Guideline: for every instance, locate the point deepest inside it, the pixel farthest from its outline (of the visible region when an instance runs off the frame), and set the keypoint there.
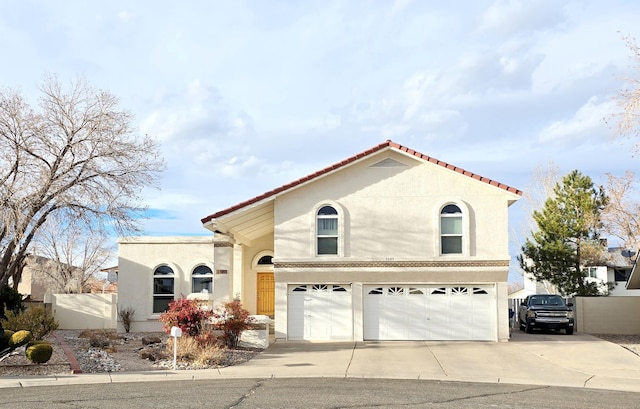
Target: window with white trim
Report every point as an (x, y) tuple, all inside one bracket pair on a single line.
[(202, 280), (451, 230), (163, 288), (327, 231)]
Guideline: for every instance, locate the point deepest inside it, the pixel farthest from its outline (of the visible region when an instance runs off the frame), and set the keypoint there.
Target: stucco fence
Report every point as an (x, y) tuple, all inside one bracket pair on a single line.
[(83, 311), (608, 315), (100, 311), (601, 315)]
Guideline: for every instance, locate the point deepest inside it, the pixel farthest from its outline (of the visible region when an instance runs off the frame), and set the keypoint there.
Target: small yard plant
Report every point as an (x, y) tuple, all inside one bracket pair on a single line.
[(186, 314), (39, 353), (126, 316), (232, 318), (99, 338), (192, 351)]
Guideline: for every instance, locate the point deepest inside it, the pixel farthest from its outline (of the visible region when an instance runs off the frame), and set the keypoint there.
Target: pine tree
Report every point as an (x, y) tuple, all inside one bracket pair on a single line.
[(567, 238)]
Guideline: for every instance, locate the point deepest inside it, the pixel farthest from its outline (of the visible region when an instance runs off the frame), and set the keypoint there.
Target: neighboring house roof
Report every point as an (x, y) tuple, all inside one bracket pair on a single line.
[(616, 259), (268, 196)]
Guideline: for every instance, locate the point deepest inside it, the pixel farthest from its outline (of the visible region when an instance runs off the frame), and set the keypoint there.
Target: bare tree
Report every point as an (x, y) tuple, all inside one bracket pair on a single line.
[(621, 216), (628, 100), (544, 180), (74, 155), (544, 183), (77, 251)]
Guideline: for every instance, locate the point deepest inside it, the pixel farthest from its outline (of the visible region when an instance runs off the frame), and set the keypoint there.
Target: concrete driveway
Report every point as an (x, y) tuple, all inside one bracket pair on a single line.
[(579, 360), (542, 359)]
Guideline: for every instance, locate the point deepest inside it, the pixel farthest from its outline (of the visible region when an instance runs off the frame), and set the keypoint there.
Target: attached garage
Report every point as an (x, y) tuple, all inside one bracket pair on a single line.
[(419, 312), (320, 312)]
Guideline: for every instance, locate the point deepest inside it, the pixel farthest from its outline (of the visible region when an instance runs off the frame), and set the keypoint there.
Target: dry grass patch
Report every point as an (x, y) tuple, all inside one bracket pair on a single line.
[(100, 338), (191, 351)]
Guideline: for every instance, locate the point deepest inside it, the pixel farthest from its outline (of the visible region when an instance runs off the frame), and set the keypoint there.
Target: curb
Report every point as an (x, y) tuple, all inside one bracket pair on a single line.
[(73, 362)]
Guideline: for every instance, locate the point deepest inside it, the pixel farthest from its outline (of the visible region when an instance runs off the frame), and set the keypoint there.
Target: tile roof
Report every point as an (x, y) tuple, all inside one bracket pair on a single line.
[(386, 144)]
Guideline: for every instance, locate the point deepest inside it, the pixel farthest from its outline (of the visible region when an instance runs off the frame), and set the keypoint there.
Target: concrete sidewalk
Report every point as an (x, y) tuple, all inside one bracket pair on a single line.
[(580, 361)]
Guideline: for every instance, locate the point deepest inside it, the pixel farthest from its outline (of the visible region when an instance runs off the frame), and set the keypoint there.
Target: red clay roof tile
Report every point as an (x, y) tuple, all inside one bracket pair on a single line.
[(386, 144)]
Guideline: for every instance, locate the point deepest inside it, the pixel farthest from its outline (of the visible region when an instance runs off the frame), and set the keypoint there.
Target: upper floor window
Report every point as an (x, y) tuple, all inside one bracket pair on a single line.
[(202, 280), (327, 230), (163, 288), (451, 230)]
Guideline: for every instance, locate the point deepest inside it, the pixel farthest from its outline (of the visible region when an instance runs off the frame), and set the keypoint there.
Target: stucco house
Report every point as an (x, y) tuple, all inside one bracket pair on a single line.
[(615, 270), (389, 244)]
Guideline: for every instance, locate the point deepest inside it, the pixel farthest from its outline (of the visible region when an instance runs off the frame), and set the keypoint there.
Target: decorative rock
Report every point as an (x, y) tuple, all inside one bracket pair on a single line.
[(151, 340), (148, 354), (98, 360)]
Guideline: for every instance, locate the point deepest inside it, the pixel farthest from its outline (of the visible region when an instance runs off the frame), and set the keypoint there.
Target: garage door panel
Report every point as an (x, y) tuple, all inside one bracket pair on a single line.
[(405, 312), (320, 312)]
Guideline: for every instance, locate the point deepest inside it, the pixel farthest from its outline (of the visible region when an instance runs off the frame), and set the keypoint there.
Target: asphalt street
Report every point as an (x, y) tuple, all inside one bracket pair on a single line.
[(312, 393)]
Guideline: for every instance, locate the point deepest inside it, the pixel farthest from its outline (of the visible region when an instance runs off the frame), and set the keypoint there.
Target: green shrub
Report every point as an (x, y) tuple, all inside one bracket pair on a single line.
[(34, 320), (36, 342), (39, 353), (19, 338), (10, 300), (4, 340)]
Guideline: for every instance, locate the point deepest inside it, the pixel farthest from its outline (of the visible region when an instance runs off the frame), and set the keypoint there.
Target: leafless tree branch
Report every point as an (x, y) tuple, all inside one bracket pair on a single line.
[(76, 154)]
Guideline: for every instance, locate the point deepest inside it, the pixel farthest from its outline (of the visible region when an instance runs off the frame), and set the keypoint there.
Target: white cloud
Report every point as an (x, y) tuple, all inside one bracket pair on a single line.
[(125, 16), (585, 124), (237, 167), (510, 17)]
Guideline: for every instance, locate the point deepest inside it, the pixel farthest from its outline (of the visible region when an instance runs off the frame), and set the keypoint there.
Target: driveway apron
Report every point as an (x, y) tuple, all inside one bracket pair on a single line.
[(540, 359)]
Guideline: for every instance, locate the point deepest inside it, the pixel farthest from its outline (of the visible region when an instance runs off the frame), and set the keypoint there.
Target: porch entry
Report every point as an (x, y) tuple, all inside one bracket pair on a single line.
[(266, 294)]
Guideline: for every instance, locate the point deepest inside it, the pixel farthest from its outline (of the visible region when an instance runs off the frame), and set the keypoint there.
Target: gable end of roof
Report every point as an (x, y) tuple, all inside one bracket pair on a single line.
[(354, 158)]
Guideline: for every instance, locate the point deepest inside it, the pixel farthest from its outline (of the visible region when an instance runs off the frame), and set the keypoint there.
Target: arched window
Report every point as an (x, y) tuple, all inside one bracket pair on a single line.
[(327, 231), (265, 260), (163, 288), (451, 230), (202, 280)]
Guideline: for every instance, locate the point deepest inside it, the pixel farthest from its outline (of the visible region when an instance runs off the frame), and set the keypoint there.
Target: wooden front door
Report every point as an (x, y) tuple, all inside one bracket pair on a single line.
[(266, 294)]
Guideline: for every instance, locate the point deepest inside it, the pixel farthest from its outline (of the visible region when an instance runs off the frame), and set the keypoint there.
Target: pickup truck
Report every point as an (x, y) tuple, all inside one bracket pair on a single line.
[(546, 311)]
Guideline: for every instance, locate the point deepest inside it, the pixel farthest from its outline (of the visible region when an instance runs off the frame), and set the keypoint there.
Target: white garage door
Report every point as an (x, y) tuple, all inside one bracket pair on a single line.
[(414, 312), (319, 312)]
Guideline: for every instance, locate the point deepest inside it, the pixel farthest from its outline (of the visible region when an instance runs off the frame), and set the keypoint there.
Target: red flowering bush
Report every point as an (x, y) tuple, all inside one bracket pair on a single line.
[(232, 320), (185, 314)]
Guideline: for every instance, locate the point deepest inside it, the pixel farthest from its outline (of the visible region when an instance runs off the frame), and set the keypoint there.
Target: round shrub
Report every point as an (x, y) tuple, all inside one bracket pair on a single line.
[(39, 353), (4, 340), (19, 338), (36, 342)]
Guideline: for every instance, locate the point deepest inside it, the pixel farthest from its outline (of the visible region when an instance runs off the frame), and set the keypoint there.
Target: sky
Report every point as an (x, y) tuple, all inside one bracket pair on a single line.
[(246, 96)]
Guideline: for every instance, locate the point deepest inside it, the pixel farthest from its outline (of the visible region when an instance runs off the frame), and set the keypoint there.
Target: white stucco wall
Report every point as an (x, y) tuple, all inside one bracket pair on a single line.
[(393, 212), (139, 256)]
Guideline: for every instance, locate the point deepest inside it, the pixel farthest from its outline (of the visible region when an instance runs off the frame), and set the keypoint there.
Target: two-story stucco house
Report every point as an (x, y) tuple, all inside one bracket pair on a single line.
[(389, 244)]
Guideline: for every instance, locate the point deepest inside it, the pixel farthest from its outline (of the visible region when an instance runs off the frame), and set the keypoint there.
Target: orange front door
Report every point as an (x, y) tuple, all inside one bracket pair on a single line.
[(266, 294)]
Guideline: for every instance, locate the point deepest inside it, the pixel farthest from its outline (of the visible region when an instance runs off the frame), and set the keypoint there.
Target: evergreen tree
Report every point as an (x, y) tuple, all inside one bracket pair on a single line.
[(567, 238)]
